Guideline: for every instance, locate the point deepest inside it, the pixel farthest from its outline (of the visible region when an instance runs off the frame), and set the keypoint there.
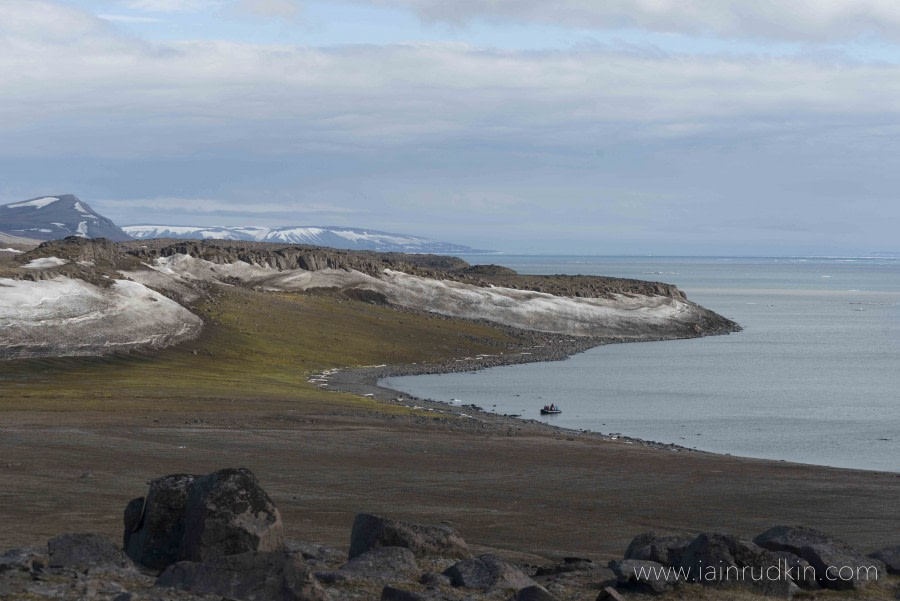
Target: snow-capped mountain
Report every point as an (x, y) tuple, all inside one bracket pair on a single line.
[(333, 236), (52, 217)]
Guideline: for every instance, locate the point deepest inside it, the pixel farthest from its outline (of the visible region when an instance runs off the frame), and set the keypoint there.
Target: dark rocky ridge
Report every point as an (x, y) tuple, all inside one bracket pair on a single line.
[(313, 258)]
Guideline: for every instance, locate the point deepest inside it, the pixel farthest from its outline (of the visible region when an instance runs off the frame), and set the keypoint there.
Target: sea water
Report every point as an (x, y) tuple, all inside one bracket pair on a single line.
[(813, 378)]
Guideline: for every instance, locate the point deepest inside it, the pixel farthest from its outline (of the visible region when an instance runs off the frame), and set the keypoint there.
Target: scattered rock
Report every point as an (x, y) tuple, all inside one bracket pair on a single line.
[(799, 570), (390, 593), (313, 553), (890, 557), (85, 550), (642, 576), (384, 562), (837, 564), (664, 549), (533, 593), (610, 594), (568, 564), (726, 561), (273, 576), (435, 580), (488, 572), (195, 518), (22, 560), (371, 531)]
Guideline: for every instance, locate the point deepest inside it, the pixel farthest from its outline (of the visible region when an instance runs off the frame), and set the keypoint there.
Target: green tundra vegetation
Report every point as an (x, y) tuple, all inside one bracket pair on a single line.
[(256, 346)]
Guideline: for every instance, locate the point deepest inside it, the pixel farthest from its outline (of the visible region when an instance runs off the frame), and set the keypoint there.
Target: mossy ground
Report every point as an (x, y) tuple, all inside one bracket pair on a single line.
[(257, 347)]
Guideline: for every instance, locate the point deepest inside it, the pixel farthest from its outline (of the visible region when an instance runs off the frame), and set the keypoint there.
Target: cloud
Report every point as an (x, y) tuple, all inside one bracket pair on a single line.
[(128, 19), (780, 19), (171, 6)]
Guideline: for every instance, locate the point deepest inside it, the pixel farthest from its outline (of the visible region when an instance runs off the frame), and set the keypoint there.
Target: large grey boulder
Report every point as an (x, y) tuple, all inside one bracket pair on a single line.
[(642, 576), (187, 517), (890, 557), (664, 549), (726, 561), (384, 562), (252, 576), (85, 550), (837, 565), (371, 531), (488, 572)]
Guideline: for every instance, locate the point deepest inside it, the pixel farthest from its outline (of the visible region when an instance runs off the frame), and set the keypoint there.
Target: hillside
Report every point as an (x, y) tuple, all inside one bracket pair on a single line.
[(84, 297), (54, 217)]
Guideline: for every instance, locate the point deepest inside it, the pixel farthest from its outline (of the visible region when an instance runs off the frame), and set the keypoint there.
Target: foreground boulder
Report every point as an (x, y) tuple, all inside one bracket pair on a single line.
[(642, 576), (488, 572), (274, 576), (195, 518), (371, 531), (85, 550), (837, 565), (726, 561), (890, 557), (664, 549)]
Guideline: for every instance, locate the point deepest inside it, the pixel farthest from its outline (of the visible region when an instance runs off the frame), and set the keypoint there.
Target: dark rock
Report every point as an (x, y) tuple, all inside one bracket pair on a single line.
[(228, 513), (85, 550), (272, 576), (890, 557), (384, 562), (642, 576), (390, 593), (370, 532), (799, 570), (435, 580), (334, 576), (316, 554), (533, 593), (726, 561), (487, 572), (610, 594), (664, 549), (195, 518), (22, 560), (837, 564), (154, 527)]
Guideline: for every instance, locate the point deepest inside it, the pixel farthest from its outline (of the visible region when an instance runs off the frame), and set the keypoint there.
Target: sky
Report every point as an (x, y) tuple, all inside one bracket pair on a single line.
[(680, 127)]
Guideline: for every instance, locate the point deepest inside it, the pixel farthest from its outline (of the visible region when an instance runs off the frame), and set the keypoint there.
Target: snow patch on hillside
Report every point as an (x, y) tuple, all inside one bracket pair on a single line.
[(622, 315), (66, 317), (38, 203), (45, 263)]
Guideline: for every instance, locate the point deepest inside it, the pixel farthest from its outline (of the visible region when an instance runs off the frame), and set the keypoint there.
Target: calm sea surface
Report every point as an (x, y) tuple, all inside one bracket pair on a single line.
[(813, 378)]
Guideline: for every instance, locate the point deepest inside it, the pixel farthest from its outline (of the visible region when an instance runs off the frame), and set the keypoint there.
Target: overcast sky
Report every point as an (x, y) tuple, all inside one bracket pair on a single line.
[(725, 127)]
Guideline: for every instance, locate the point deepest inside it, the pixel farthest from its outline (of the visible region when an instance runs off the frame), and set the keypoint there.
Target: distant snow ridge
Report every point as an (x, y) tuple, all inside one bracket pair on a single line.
[(332, 236)]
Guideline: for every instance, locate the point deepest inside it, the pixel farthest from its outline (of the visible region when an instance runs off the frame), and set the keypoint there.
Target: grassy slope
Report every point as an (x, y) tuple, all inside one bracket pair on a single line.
[(260, 347)]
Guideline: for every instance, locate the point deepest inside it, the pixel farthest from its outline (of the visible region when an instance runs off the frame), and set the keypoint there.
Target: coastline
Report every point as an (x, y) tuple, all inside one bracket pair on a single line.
[(364, 382)]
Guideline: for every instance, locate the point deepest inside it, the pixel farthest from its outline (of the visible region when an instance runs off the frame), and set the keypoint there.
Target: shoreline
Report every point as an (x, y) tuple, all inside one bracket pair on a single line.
[(364, 381)]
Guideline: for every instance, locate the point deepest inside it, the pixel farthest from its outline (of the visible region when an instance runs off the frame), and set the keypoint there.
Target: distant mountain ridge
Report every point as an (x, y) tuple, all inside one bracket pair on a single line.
[(53, 217), (351, 238)]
